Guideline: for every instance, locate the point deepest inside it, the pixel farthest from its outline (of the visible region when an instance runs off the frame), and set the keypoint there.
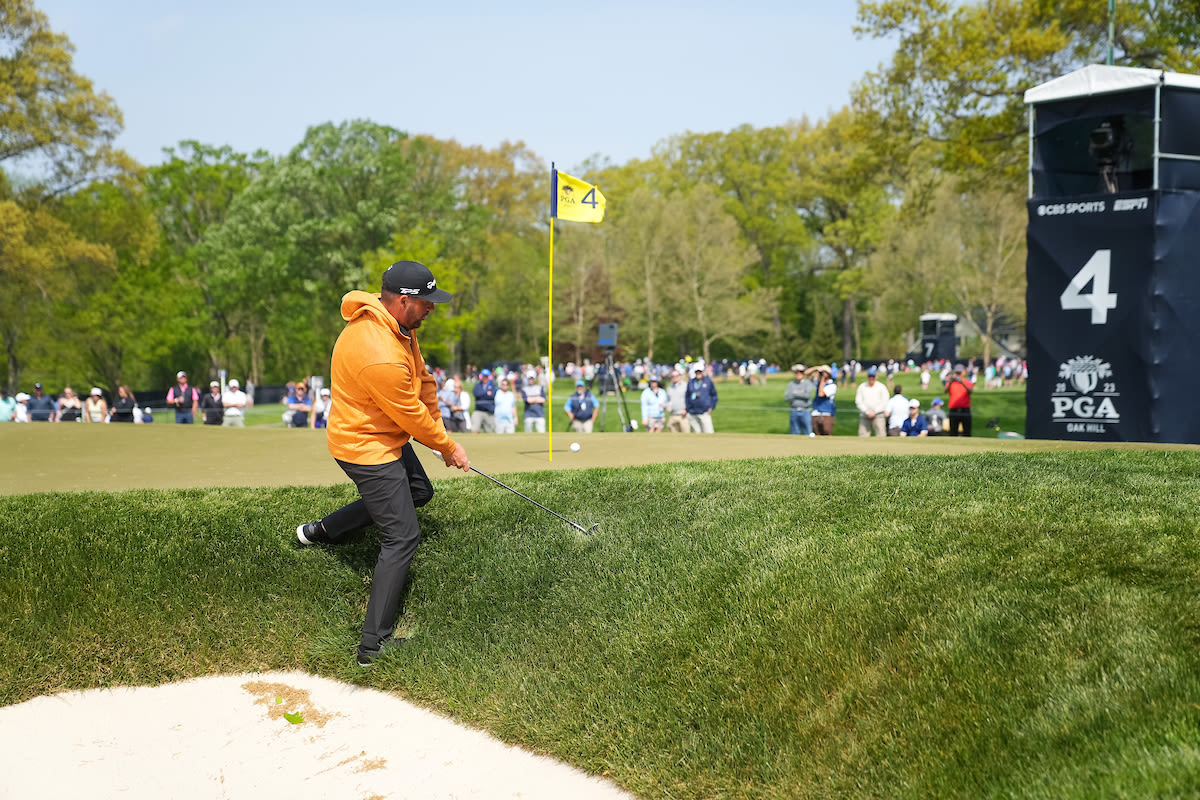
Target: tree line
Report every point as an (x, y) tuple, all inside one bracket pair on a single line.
[(807, 241)]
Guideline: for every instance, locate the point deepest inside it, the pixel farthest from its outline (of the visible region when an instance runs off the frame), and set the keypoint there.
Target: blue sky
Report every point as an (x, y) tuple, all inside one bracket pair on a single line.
[(573, 81)]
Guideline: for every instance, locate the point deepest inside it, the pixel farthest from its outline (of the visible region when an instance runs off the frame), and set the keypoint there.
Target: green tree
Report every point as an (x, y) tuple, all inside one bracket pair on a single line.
[(961, 69), (41, 259), (293, 240), (706, 275), (192, 192), (643, 243), (111, 322), (583, 268), (965, 255), (56, 133), (849, 199), (55, 129), (760, 174), (500, 241)]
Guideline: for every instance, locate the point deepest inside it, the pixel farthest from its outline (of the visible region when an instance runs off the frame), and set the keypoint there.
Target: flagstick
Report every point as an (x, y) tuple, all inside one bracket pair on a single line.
[(550, 373)]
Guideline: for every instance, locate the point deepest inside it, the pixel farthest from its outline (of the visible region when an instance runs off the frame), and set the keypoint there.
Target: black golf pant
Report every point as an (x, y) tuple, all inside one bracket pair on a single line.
[(391, 494), (960, 421)]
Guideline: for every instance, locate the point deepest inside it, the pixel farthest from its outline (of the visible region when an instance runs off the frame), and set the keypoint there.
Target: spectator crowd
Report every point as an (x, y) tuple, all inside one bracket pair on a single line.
[(675, 397)]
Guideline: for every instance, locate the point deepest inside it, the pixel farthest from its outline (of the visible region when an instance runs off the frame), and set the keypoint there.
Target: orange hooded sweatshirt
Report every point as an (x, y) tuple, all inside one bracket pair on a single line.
[(382, 393)]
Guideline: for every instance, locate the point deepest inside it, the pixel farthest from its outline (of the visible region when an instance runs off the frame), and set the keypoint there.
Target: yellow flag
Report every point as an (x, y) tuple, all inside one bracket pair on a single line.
[(574, 200)]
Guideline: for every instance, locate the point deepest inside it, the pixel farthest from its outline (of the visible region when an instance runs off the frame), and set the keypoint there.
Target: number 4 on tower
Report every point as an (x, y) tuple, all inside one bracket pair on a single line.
[(1099, 300)]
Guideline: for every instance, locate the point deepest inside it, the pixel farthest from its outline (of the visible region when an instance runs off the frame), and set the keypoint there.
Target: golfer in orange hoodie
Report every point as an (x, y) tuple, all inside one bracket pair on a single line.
[(383, 398)]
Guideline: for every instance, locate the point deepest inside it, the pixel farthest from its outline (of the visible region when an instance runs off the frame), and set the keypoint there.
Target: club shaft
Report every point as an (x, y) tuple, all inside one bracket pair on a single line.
[(574, 525)]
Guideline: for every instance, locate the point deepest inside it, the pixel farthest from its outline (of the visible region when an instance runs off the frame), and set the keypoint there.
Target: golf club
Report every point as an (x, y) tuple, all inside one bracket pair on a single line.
[(575, 525)]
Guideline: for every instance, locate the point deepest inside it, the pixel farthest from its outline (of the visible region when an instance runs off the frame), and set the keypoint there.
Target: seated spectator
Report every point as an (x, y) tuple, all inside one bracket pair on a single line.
[(287, 400), (70, 407), (96, 407), (320, 416), (449, 404), (915, 424), (300, 407), (936, 418), (125, 407)]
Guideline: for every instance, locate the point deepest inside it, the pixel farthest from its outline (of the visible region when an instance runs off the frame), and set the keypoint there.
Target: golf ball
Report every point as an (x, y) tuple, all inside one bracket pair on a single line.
[(574, 447)]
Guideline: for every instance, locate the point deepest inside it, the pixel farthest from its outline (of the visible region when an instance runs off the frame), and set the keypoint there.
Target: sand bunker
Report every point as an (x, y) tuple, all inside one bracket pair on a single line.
[(279, 734)]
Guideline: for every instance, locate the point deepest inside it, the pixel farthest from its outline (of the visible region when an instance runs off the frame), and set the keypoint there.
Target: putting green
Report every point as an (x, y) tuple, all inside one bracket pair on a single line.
[(79, 457)]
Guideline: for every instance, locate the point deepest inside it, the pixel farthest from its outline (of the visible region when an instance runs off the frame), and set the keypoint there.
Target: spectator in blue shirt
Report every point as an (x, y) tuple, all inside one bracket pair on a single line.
[(701, 399), (654, 406), (582, 407), (483, 418), (915, 425)]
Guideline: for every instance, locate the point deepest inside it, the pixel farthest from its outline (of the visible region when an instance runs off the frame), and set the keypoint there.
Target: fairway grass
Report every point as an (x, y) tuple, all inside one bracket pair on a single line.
[(988, 624)]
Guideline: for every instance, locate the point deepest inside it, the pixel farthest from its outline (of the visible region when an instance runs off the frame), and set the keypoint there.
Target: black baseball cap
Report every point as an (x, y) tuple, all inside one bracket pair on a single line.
[(415, 280)]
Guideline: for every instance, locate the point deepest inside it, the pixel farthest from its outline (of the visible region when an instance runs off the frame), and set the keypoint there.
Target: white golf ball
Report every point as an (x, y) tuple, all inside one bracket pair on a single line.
[(574, 447)]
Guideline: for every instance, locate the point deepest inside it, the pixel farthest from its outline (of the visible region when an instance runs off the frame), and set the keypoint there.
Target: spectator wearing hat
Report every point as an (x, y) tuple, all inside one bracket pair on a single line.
[(483, 418), (321, 406), (677, 403), (823, 408), (959, 391), (300, 406), (450, 405), (21, 411), (96, 407), (211, 405), (124, 408), (654, 406), (40, 405), (534, 395), (914, 424), (799, 397), (871, 399), (582, 407), (184, 399), (234, 401), (701, 400), (8, 406), (70, 407), (936, 417)]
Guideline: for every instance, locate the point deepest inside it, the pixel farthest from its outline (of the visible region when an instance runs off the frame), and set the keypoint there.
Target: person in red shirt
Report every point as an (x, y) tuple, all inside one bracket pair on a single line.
[(959, 414)]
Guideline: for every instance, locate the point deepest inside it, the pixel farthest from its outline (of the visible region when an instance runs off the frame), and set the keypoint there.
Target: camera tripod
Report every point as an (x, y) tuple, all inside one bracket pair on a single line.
[(608, 380)]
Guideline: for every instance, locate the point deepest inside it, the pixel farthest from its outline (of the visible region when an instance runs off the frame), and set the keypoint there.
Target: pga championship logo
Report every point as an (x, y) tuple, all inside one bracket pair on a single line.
[(1085, 398)]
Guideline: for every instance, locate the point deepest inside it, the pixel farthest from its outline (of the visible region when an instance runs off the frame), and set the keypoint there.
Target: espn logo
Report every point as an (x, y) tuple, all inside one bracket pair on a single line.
[(1131, 204)]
